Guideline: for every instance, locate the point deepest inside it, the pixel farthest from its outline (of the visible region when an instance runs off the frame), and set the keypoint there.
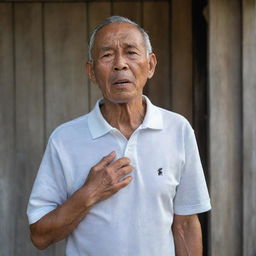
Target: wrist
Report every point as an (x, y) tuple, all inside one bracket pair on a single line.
[(88, 196)]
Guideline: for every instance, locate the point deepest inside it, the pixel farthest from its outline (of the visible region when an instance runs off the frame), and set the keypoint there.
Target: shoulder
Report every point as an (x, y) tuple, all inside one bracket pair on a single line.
[(70, 129), (174, 120)]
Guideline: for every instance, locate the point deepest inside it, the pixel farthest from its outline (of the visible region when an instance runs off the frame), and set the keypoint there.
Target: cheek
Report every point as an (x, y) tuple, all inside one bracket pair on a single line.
[(142, 72), (101, 74)]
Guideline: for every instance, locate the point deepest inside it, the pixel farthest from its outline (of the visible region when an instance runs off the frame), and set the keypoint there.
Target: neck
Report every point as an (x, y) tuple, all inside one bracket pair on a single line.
[(126, 117)]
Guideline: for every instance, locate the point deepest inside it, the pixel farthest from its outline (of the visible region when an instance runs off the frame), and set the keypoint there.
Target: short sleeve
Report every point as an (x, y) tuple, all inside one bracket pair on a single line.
[(192, 195), (49, 189)]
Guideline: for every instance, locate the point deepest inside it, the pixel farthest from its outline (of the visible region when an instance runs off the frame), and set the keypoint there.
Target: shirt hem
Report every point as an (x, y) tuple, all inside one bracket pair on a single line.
[(193, 209), (32, 218)]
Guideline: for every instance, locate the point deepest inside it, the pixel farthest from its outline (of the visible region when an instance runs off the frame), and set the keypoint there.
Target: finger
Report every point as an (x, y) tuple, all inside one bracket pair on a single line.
[(124, 171), (106, 160), (123, 183), (119, 163)]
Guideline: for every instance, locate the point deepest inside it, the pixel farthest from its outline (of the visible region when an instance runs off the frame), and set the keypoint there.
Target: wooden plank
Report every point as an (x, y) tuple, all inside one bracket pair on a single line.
[(29, 114), (65, 51), (182, 58), (225, 127), (66, 82), (200, 114), (156, 22), (7, 133), (94, 18), (249, 127), (129, 9)]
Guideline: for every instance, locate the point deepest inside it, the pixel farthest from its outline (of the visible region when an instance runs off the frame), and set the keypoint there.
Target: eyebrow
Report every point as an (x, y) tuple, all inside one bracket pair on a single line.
[(131, 46), (105, 48), (126, 45)]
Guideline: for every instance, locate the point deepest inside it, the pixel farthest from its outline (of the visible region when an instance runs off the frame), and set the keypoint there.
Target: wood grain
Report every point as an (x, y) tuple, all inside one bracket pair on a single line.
[(249, 127), (7, 132), (225, 127), (200, 108), (65, 79), (182, 58), (156, 23), (94, 19), (65, 51), (129, 9), (29, 113)]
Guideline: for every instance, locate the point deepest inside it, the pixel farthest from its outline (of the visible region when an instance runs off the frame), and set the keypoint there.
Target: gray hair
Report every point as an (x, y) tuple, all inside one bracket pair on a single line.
[(118, 19)]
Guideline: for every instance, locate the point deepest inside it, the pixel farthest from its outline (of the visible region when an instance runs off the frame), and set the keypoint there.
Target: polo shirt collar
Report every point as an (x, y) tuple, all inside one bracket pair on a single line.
[(153, 118), (98, 126)]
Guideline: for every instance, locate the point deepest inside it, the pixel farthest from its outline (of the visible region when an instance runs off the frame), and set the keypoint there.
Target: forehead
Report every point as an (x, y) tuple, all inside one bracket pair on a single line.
[(119, 32)]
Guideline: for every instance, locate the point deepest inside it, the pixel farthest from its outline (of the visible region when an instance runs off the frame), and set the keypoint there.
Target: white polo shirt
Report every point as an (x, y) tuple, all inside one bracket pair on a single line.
[(167, 179)]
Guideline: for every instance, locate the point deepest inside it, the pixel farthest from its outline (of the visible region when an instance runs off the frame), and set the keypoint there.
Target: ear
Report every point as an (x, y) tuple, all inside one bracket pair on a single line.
[(152, 65), (89, 71)]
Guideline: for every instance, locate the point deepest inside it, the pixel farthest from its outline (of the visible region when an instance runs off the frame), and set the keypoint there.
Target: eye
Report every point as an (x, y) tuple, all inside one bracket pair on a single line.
[(132, 52), (106, 55)]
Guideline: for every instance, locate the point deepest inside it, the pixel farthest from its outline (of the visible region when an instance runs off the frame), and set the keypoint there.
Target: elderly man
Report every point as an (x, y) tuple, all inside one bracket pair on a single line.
[(125, 179)]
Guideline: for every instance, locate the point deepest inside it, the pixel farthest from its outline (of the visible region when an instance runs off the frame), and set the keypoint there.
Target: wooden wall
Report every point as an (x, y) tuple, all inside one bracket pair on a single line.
[(43, 48), (249, 127), (232, 131)]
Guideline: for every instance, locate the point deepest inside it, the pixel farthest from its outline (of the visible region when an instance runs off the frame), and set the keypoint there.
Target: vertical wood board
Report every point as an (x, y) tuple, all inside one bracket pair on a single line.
[(200, 111), (249, 127), (65, 53), (66, 84), (156, 23), (225, 127), (129, 9), (7, 132), (182, 58), (29, 113), (94, 19)]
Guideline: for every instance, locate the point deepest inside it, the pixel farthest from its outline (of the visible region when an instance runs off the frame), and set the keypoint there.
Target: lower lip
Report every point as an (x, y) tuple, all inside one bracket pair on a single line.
[(122, 84)]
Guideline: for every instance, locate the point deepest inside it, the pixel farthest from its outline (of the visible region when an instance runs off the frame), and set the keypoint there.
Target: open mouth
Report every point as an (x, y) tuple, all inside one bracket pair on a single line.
[(121, 82)]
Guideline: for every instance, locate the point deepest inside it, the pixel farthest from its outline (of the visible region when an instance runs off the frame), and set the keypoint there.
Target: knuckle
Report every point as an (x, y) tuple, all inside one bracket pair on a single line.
[(108, 171), (94, 169), (127, 170), (126, 160), (104, 159), (109, 175), (115, 188)]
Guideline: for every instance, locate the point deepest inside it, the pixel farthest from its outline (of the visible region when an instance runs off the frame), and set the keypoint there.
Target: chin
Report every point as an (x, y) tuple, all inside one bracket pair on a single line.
[(123, 99), (119, 101)]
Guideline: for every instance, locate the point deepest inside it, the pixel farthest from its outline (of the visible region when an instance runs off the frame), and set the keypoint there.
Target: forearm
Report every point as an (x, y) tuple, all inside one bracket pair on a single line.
[(104, 179), (59, 223), (188, 239)]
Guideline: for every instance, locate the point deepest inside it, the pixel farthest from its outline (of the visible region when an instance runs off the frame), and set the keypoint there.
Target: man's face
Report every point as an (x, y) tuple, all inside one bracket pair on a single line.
[(120, 64)]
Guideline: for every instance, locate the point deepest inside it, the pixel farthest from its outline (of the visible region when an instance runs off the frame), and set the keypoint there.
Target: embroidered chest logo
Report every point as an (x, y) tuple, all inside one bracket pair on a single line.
[(160, 172)]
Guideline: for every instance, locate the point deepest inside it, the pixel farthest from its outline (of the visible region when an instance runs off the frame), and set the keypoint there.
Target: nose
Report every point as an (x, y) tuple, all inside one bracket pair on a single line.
[(120, 63)]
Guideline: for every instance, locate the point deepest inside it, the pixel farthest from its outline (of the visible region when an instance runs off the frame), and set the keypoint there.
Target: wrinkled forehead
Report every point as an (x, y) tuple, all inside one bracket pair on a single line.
[(121, 33)]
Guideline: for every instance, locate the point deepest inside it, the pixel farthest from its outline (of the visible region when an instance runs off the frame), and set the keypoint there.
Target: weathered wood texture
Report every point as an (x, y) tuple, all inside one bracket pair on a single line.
[(225, 127), (249, 127), (65, 52), (66, 86), (129, 9), (94, 18), (7, 132), (29, 111), (200, 111), (156, 20), (43, 47), (181, 57)]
